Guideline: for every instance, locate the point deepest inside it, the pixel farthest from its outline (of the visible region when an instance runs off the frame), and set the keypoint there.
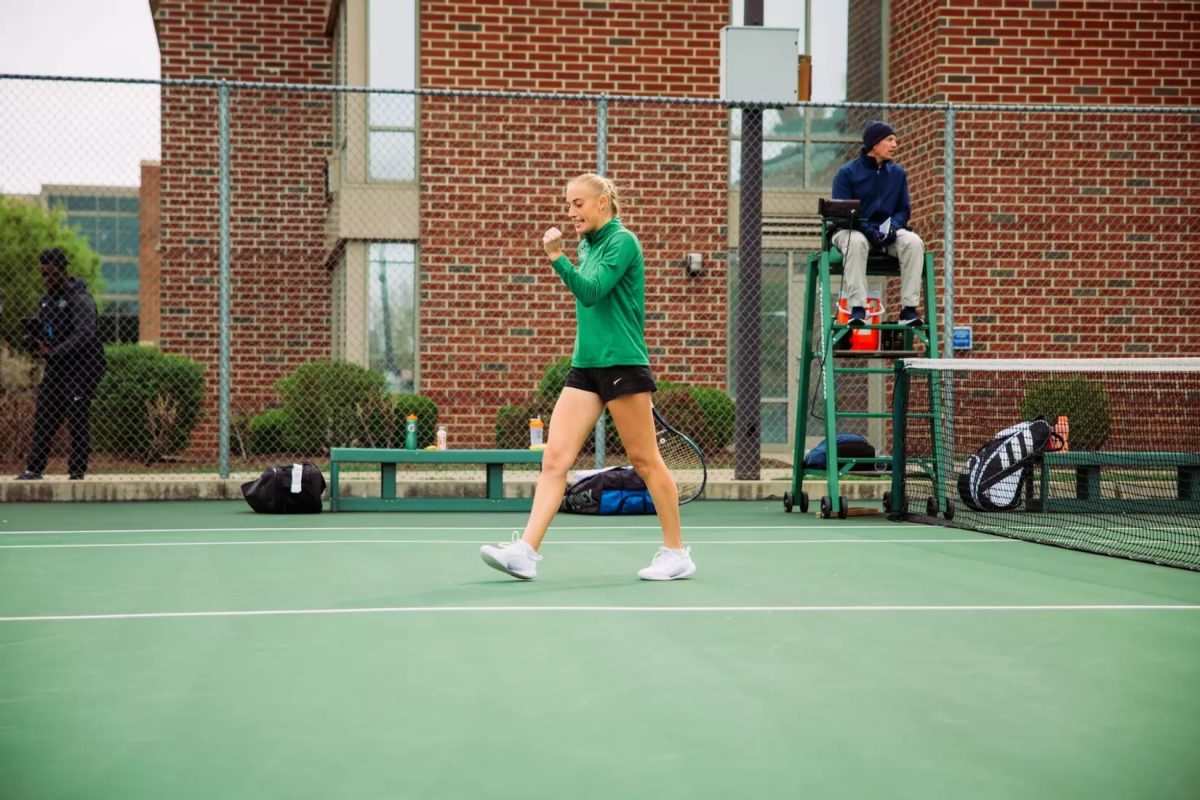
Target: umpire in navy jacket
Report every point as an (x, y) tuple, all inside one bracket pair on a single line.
[(64, 334), (882, 186)]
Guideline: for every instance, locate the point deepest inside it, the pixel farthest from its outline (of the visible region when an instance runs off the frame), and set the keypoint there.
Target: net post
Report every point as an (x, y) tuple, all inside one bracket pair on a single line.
[(899, 429)]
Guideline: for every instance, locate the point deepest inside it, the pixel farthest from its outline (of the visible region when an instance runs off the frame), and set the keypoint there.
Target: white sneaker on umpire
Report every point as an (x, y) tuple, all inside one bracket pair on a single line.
[(669, 565), (516, 558)]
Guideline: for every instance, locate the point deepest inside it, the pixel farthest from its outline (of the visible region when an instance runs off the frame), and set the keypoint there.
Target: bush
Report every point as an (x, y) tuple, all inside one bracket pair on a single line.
[(718, 416), (512, 422), (713, 412), (26, 230), (18, 402), (1082, 400), (554, 379), (147, 403), (678, 406), (427, 420), (331, 403), (266, 432)]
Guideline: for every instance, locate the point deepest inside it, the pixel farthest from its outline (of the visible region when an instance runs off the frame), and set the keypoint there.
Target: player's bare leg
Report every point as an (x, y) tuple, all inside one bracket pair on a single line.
[(635, 422)]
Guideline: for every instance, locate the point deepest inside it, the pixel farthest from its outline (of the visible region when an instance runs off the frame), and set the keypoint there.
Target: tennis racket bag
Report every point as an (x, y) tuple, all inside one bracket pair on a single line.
[(295, 489), (993, 476), (616, 490)]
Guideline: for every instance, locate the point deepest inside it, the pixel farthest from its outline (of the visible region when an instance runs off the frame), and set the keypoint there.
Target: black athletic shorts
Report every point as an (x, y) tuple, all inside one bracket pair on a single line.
[(612, 382)]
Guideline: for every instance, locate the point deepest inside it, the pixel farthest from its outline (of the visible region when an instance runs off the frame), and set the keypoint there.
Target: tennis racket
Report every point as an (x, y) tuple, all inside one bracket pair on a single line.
[(682, 457)]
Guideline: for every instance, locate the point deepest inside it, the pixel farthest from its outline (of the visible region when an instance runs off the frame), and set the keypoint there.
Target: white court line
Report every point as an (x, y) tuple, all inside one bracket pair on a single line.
[(296, 612), (435, 528), (276, 542)]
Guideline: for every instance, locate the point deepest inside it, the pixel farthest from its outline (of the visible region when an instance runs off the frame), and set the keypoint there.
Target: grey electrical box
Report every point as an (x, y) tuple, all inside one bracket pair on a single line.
[(760, 64)]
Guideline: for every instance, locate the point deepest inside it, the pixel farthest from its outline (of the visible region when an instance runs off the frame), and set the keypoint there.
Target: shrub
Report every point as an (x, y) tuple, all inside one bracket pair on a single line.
[(512, 422), (427, 421), (26, 229), (18, 401), (266, 432), (553, 379), (332, 403), (712, 429), (1082, 400), (147, 403), (678, 406), (718, 415)]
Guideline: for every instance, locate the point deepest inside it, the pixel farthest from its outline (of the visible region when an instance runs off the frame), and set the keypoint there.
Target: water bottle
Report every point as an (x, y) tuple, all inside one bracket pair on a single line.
[(410, 432), (441, 437), (536, 428)]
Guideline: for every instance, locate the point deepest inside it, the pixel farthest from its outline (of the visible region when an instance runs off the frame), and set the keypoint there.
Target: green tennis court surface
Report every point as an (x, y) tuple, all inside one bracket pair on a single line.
[(196, 650)]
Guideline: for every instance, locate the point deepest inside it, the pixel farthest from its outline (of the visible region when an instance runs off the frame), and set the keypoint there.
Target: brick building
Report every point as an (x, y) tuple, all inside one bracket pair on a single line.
[(428, 212)]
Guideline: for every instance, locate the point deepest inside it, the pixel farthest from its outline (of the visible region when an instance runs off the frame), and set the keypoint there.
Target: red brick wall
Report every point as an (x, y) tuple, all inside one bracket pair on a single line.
[(280, 286), (1103, 52), (1065, 239), (489, 160)]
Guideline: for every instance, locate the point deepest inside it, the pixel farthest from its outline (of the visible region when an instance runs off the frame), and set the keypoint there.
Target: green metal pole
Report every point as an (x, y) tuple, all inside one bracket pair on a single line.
[(899, 429)]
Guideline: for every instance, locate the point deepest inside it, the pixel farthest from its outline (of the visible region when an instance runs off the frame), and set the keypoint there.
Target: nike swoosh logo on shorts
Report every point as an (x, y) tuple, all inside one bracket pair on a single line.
[(618, 380)]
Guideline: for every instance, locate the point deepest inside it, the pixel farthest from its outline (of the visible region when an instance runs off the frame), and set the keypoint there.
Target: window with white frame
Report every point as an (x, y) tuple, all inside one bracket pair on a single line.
[(392, 64)]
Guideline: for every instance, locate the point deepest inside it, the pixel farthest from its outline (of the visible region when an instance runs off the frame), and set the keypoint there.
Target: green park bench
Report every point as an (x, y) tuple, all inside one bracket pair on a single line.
[(387, 459), (1089, 464)]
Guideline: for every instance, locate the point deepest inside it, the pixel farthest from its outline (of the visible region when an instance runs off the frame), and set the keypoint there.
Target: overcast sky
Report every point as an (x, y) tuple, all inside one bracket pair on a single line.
[(94, 133), (76, 133)]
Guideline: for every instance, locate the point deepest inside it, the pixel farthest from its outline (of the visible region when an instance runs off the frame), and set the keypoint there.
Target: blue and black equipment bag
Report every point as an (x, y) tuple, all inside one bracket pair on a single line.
[(616, 490)]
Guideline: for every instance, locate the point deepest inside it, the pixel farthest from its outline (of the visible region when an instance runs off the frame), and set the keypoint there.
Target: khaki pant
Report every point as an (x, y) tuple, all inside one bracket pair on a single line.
[(908, 247)]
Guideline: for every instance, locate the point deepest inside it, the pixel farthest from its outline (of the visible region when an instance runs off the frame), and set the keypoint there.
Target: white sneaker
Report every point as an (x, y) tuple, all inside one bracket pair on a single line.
[(516, 558), (669, 565)]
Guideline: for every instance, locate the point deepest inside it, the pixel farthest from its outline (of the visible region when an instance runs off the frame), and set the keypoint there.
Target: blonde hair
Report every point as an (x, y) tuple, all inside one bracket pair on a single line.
[(602, 186)]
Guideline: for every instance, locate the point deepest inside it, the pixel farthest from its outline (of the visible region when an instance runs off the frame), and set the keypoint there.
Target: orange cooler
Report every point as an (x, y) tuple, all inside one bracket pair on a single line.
[(862, 339)]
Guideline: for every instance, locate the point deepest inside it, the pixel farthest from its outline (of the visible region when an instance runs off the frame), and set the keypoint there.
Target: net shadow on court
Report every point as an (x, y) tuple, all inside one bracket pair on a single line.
[(198, 650)]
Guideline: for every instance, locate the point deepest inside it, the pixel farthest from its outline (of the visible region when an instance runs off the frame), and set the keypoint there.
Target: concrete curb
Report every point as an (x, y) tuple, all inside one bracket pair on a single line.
[(112, 488)]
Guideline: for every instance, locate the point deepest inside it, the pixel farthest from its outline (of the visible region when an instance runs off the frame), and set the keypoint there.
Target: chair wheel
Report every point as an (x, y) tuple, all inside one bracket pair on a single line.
[(826, 507), (949, 510), (887, 501), (931, 507), (787, 502), (843, 507), (804, 502)]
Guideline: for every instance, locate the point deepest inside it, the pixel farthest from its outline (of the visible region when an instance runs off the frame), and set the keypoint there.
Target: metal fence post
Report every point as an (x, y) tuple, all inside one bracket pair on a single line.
[(601, 168), (948, 236), (224, 322), (747, 325)]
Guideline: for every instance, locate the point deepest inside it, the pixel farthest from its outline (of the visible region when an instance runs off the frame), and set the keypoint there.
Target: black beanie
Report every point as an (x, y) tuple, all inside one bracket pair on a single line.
[(874, 133), (55, 256)]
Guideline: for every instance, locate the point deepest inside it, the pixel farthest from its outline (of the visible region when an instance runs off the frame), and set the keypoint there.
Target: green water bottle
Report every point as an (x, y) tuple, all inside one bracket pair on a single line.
[(410, 432)]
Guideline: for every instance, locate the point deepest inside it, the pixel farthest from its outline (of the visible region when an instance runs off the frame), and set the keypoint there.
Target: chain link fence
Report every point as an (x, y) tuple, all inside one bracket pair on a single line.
[(307, 267)]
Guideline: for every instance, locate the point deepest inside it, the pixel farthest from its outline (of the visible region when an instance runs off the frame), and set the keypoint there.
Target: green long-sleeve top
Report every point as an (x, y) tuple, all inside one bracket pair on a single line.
[(610, 298)]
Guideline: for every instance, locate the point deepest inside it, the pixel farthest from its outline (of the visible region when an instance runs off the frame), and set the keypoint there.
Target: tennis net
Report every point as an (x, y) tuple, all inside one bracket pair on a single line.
[(1113, 469)]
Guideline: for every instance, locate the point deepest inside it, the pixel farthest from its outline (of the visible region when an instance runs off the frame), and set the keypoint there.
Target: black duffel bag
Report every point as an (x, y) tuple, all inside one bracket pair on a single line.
[(295, 489)]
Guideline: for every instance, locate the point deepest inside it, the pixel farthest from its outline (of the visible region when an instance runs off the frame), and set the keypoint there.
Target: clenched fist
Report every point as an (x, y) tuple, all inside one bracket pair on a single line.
[(552, 240)]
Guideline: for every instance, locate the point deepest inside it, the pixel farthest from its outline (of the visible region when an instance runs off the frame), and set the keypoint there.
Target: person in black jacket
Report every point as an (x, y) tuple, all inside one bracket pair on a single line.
[(65, 336)]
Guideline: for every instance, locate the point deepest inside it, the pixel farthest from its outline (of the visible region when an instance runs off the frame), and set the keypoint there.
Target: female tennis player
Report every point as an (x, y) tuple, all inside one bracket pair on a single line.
[(610, 367)]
